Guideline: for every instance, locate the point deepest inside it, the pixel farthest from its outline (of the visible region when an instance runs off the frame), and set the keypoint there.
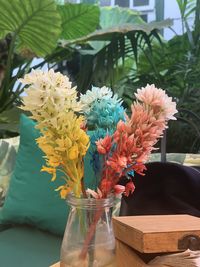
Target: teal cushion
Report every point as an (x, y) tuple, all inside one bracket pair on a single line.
[(28, 247), (31, 197)]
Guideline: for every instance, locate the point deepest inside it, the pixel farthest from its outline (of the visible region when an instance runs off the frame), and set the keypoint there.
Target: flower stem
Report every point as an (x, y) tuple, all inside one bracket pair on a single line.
[(90, 234), (83, 188)]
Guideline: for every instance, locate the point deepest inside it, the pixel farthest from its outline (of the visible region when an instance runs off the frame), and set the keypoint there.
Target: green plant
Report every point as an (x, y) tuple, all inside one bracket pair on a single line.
[(57, 33), (175, 67), (32, 29), (103, 52)]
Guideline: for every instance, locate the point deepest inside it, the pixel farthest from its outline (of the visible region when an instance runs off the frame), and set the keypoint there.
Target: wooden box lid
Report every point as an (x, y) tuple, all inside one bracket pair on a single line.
[(156, 233)]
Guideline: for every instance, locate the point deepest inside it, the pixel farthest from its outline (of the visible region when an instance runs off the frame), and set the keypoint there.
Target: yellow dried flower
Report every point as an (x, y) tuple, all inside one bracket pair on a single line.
[(73, 152), (64, 190), (49, 170), (52, 101)]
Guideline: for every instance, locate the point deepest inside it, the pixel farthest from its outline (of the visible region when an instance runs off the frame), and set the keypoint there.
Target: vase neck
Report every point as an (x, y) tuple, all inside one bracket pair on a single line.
[(90, 203)]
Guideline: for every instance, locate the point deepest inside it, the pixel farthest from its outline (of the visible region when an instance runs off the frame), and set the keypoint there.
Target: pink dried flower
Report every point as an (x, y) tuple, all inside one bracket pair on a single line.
[(127, 150), (129, 188), (106, 186), (121, 127), (117, 162), (119, 189), (104, 145), (158, 100), (94, 194)]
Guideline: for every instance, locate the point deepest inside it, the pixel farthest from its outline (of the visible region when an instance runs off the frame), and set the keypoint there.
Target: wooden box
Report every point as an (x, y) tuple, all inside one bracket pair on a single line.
[(140, 238), (56, 265)]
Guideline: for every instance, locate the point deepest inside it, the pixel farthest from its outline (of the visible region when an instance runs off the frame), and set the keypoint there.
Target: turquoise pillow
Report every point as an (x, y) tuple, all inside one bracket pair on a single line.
[(31, 198)]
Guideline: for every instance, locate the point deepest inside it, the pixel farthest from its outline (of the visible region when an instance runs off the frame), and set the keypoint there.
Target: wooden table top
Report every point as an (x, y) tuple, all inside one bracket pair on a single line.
[(55, 265)]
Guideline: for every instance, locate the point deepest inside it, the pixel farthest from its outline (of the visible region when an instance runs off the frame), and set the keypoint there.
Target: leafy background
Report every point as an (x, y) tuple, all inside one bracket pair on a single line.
[(102, 46)]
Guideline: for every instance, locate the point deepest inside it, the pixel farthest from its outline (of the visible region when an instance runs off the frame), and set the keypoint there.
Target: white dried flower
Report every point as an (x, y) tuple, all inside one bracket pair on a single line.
[(49, 93), (95, 94)]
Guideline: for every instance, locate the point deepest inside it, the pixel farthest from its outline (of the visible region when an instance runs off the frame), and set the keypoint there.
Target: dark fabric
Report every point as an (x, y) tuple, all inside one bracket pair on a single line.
[(167, 188)]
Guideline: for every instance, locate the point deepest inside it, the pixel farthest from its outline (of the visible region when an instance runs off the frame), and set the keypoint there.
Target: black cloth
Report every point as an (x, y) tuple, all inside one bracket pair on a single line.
[(167, 188)]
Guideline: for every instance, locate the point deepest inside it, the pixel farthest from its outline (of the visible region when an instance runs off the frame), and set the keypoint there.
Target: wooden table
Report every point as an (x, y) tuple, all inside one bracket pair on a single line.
[(55, 265), (137, 237)]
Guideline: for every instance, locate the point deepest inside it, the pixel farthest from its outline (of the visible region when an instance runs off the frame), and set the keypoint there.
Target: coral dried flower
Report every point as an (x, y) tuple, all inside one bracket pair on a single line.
[(134, 139), (104, 145)]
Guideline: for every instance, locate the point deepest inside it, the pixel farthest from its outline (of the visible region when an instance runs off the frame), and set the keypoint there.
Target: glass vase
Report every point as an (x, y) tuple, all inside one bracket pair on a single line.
[(89, 240)]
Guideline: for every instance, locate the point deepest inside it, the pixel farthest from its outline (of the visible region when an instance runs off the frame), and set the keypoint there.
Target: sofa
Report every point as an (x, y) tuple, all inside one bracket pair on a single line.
[(32, 215), (25, 246)]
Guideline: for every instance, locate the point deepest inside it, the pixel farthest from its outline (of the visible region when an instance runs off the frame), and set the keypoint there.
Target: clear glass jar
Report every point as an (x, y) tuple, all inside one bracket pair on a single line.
[(89, 240)]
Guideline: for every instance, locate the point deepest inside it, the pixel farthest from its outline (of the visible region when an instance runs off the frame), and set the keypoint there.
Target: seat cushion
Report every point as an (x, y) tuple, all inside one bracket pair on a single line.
[(31, 197), (24, 246)]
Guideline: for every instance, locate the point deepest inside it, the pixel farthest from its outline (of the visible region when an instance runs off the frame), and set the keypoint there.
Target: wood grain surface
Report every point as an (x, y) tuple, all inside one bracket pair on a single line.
[(157, 233)]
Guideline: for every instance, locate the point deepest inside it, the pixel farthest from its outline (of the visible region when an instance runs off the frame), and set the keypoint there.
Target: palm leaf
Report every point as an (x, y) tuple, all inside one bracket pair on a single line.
[(36, 23), (125, 28), (122, 30), (10, 127), (105, 61), (112, 16), (78, 20), (9, 120)]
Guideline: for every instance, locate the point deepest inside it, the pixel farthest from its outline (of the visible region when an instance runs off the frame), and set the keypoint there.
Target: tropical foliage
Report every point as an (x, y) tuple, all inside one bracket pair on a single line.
[(32, 29), (58, 33), (106, 49), (174, 66)]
